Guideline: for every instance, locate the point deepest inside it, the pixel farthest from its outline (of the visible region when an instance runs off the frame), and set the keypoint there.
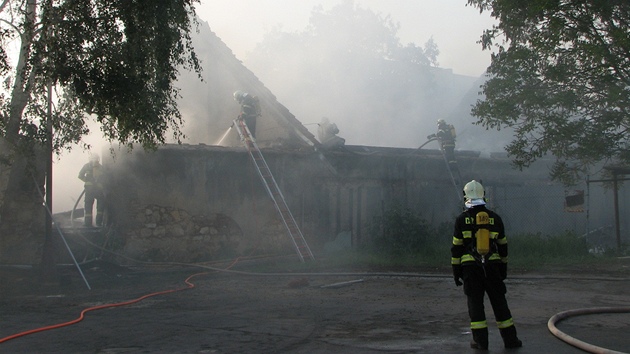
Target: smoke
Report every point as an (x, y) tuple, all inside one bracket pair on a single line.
[(350, 66), (389, 99), (67, 186)]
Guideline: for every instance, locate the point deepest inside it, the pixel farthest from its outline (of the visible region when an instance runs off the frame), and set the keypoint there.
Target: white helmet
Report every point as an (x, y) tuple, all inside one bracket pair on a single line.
[(473, 190), (94, 157), (238, 95)]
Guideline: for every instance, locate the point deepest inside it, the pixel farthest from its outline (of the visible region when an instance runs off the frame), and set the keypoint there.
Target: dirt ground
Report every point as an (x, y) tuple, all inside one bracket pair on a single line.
[(336, 311)]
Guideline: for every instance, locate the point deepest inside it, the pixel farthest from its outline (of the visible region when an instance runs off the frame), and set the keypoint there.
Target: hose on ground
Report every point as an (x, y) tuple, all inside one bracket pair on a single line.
[(189, 285), (551, 324)]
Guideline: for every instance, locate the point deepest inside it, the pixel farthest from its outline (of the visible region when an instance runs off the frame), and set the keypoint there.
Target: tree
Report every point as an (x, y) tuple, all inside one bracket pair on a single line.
[(114, 61), (560, 77)]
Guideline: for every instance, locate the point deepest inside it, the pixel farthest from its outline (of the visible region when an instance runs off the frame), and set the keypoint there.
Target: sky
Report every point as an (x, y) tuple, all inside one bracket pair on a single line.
[(455, 27)]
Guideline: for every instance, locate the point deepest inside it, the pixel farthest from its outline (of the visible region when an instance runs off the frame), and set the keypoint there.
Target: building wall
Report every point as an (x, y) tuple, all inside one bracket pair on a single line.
[(339, 193)]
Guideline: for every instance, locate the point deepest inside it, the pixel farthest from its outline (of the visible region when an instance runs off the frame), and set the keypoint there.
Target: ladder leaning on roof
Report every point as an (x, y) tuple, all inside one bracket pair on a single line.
[(272, 188)]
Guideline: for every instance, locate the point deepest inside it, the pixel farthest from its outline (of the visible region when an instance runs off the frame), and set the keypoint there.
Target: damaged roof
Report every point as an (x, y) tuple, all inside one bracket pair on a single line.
[(208, 106)]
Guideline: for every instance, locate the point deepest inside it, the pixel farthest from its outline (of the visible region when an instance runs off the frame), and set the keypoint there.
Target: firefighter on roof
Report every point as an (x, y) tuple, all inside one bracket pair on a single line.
[(250, 110), (446, 136), (479, 257), (327, 134)]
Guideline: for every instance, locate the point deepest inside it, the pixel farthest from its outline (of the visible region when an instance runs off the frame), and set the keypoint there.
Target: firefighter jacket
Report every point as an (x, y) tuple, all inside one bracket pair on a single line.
[(446, 135), (250, 106), (91, 174), (464, 248)]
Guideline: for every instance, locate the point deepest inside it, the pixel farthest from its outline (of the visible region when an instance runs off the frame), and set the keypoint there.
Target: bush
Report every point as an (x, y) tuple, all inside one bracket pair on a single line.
[(398, 232), (402, 237), (537, 249), (403, 233)]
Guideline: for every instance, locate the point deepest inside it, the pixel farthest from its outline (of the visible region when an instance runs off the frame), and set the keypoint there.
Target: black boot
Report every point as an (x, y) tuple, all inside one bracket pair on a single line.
[(509, 337), (480, 339)]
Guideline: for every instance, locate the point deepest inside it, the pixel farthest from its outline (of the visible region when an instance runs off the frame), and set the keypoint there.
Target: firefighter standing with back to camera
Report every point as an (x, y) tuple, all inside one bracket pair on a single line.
[(479, 257)]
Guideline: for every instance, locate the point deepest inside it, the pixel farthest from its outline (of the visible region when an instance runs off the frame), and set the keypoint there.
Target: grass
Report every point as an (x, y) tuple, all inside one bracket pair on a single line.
[(526, 252), (401, 240)]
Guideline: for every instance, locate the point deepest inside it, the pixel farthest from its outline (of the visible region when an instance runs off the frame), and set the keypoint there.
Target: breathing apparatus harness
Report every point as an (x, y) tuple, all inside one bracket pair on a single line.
[(483, 245)]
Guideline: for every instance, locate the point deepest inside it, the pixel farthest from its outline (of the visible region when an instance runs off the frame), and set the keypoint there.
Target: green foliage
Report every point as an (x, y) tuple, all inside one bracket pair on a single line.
[(403, 233), (537, 250), (527, 252), (114, 60), (401, 238), (560, 77)]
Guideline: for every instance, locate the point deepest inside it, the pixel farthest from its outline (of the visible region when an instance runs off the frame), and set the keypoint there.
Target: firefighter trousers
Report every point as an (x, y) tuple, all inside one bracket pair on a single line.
[(250, 121), (479, 281), (92, 194)]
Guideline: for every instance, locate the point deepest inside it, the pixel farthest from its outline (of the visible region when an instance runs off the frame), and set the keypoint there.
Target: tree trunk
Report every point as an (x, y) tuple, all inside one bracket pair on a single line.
[(22, 164), (22, 215)]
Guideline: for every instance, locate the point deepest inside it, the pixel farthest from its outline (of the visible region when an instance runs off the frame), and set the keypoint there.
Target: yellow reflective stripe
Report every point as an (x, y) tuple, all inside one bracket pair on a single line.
[(455, 261), (457, 241), (494, 235), (493, 257), (505, 324), (478, 325), (467, 258), (504, 259), (467, 234), (502, 241)]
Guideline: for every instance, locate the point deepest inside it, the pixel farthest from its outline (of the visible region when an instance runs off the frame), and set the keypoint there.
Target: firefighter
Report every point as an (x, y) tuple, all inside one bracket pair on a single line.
[(250, 110), (479, 258), (92, 176), (446, 136), (327, 134)]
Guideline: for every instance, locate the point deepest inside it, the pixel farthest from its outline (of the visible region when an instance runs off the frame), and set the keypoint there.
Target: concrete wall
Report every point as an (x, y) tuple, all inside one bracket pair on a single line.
[(340, 193)]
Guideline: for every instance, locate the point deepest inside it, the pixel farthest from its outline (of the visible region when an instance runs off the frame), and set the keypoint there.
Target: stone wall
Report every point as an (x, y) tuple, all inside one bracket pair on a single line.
[(164, 233)]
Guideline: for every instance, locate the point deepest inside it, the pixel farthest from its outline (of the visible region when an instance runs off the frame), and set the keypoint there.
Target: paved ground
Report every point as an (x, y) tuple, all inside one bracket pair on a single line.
[(419, 311)]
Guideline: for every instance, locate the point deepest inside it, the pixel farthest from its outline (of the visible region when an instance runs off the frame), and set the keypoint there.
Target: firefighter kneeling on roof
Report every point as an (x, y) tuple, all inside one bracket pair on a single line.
[(479, 257)]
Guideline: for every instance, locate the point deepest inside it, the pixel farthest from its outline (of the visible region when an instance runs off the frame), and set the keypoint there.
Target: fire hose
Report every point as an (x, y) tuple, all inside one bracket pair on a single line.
[(551, 324), (189, 285)]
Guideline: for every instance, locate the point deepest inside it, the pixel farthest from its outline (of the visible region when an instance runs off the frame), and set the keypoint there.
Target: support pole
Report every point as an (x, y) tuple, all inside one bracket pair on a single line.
[(616, 172), (616, 201)]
